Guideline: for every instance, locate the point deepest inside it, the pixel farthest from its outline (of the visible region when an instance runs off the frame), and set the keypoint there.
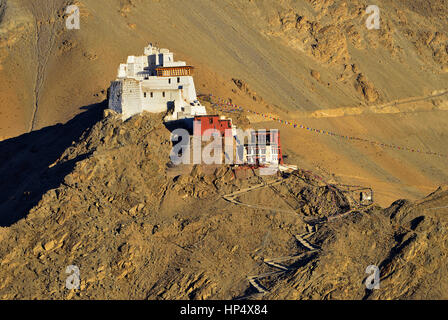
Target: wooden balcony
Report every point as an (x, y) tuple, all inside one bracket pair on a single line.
[(174, 71)]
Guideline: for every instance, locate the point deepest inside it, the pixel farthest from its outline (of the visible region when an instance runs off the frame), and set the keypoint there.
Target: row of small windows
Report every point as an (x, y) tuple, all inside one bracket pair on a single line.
[(151, 94), (178, 80), (163, 93), (153, 73), (261, 150)]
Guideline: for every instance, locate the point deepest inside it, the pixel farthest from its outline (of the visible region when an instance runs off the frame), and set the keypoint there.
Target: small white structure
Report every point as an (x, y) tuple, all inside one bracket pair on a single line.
[(155, 83), (263, 148)]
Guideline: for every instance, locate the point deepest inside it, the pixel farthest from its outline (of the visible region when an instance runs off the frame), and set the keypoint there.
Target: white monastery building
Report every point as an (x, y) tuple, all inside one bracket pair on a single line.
[(155, 83)]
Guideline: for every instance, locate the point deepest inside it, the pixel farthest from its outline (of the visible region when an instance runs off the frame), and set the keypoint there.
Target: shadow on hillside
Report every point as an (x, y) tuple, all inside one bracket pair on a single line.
[(25, 160)]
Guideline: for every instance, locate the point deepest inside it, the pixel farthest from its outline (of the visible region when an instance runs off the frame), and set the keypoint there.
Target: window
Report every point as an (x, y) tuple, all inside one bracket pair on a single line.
[(178, 79), (144, 94), (169, 81), (163, 94), (210, 120), (151, 95)]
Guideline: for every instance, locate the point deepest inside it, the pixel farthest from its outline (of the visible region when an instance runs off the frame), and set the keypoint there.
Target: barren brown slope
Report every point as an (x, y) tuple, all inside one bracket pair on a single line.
[(137, 233), (298, 59), (407, 242), (273, 46), (105, 204)]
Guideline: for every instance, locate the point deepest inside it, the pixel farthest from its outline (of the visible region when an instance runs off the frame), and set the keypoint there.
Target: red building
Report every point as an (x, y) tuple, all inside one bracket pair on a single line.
[(214, 122)]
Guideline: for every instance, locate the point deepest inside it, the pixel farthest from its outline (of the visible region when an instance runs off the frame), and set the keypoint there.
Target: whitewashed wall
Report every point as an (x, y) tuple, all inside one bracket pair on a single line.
[(132, 98)]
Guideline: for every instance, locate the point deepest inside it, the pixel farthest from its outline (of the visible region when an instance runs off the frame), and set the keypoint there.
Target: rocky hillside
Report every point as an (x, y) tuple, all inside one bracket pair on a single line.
[(407, 241), (79, 188), (314, 62), (109, 206)]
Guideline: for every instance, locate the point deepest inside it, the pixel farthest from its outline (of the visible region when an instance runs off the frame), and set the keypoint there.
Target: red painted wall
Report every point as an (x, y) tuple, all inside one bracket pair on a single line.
[(213, 122)]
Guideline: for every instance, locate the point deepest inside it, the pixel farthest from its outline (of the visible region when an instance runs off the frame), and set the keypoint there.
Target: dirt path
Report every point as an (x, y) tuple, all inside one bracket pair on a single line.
[(302, 239), (44, 42), (390, 107)]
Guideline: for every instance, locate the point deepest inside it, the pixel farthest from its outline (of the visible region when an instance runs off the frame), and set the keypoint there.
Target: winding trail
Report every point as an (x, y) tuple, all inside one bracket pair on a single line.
[(302, 239)]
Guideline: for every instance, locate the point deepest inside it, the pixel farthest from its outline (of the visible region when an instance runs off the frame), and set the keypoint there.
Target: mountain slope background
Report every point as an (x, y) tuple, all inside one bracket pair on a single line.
[(81, 187), (310, 61), (271, 45)]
